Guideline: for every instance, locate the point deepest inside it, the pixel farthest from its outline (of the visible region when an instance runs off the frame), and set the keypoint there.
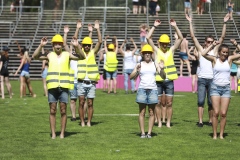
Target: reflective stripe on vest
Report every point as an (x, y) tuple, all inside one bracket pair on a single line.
[(71, 78), (239, 85), (58, 70), (111, 62), (88, 66), (169, 66)]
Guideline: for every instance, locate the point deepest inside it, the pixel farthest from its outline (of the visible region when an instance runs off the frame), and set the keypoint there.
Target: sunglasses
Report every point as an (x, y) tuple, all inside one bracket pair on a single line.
[(147, 53), (209, 41), (85, 45)]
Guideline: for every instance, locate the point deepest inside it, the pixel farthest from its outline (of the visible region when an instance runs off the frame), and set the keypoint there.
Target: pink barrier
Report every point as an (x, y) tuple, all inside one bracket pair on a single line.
[(182, 84)]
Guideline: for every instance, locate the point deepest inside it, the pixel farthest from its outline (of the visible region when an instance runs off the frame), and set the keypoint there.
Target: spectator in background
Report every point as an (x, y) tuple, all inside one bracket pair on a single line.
[(183, 55), (12, 7), (142, 5), (143, 32), (233, 74), (128, 63), (135, 6), (4, 75), (103, 58), (157, 9), (187, 5), (230, 9), (136, 59), (152, 7), (194, 67)]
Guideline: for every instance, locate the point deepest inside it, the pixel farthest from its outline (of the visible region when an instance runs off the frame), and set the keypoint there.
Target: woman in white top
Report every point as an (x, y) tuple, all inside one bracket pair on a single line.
[(128, 63), (220, 91), (147, 94)]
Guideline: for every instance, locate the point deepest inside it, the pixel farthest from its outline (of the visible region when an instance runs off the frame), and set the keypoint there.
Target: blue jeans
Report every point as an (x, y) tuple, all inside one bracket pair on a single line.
[(204, 86), (127, 72), (58, 94)]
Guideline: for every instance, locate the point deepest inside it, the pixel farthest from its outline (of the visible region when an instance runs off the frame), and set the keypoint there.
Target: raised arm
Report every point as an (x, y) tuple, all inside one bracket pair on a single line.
[(149, 35), (36, 53), (116, 43), (19, 47), (21, 65), (105, 44), (160, 69), (66, 30), (135, 71), (209, 57), (196, 43), (121, 48), (135, 46), (101, 54), (79, 25), (179, 34), (90, 29), (97, 46), (189, 53), (234, 56), (78, 50)]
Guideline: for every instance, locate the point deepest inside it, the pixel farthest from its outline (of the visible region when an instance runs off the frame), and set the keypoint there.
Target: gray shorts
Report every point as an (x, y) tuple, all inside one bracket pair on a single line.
[(167, 87), (58, 94), (86, 90)]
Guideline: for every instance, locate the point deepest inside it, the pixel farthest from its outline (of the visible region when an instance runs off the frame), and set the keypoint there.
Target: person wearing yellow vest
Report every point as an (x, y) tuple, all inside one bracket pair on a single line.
[(111, 63), (147, 93), (58, 78), (88, 76), (166, 55)]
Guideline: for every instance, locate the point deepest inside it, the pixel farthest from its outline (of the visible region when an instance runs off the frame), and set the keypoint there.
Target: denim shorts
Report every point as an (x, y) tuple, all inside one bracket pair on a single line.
[(187, 4), (25, 74), (44, 73), (111, 75), (58, 94), (222, 91), (86, 90), (147, 96), (143, 39), (204, 87), (73, 92), (167, 87), (183, 55)]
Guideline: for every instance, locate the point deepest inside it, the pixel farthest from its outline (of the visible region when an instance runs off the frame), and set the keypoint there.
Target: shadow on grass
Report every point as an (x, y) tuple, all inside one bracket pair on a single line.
[(164, 124), (139, 134), (68, 134), (92, 123)]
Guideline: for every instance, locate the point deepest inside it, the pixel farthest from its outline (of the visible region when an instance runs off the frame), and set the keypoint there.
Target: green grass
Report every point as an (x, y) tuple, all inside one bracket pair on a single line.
[(25, 131)]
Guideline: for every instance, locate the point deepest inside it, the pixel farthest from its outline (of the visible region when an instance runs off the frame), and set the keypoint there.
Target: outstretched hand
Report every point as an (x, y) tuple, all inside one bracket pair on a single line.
[(161, 64), (226, 18), (90, 28), (74, 41), (138, 67), (233, 41), (44, 41), (79, 24), (173, 22), (96, 26), (157, 22), (66, 29), (188, 18)]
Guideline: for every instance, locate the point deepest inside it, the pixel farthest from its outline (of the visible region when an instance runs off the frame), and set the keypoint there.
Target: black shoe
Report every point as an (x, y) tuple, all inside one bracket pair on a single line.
[(73, 119), (209, 123), (200, 124)]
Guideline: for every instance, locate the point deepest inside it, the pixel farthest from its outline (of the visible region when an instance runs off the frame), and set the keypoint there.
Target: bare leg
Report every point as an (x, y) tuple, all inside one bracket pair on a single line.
[(2, 86), (235, 84), (30, 87), (85, 109), (224, 108), (115, 85), (63, 110), (169, 110), (73, 107), (216, 109), (151, 118), (142, 111), (45, 87), (52, 118), (163, 107), (200, 114), (158, 113), (193, 82), (9, 87), (181, 67), (81, 110), (188, 67), (108, 85), (90, 111)]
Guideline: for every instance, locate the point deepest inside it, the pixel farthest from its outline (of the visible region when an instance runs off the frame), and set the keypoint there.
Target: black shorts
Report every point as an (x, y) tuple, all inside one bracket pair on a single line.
[(193, 70), (104, 74), (135, 3), (4, 72), (233, 74), (142, 3)]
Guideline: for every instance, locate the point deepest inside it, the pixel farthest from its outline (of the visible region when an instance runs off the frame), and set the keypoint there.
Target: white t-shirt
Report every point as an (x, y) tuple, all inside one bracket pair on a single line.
[(147, 76), (221, 73), (205, 69), (128, 60), (73, 66)]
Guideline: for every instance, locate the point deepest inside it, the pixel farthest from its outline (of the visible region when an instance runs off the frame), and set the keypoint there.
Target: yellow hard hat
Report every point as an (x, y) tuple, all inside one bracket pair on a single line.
[(57, 38), (147, 48), (164, 38), (87, 40), (111, 46)]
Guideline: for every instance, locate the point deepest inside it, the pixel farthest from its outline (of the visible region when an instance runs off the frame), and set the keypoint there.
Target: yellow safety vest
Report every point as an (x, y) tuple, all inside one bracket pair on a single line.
[(58, 70), (71, 78), (88, 66), (238, 85), (111, 62), (169, 66)]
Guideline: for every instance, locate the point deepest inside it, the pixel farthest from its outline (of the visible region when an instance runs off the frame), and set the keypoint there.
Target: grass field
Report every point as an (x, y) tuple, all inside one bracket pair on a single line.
[(114, 135)]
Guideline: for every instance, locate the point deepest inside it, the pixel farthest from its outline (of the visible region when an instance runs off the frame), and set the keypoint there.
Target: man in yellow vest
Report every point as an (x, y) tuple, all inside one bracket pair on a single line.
[(88, 75), (58, 78), (166, 55)]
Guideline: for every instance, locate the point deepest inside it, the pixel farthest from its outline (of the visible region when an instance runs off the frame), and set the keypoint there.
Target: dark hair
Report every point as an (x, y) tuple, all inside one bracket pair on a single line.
[(223, 46), (209, 36), (184, 35), (110, 50), (128, 46)]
